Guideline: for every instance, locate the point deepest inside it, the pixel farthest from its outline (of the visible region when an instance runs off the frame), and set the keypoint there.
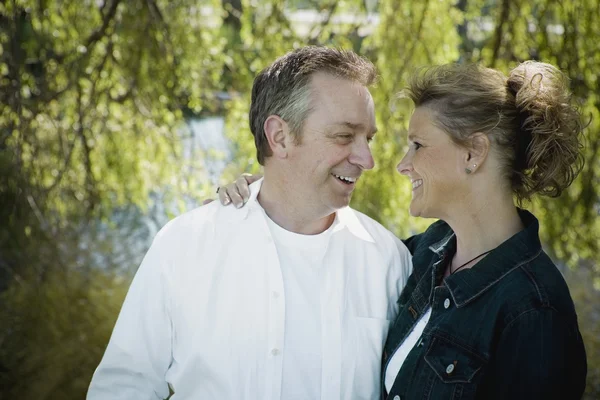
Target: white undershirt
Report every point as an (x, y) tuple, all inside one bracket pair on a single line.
[(301, 260), (400, 355)]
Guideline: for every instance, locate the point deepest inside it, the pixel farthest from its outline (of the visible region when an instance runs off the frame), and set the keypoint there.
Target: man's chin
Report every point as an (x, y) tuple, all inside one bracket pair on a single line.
[(342, 202)]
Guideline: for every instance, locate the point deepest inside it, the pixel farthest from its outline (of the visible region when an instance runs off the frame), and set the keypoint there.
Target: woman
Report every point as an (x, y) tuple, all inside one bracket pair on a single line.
[(485, 313)]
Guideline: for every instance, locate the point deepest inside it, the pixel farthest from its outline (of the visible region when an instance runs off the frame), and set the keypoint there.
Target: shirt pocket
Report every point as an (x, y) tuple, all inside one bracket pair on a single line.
[(370, 334), (456, 370)]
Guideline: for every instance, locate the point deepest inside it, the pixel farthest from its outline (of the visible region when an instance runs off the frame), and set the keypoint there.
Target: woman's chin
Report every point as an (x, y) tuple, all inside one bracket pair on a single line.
[(414, 211)]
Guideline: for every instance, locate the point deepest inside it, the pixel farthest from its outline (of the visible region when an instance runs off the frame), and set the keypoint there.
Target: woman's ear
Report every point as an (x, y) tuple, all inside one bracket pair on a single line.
[(478, 150), (276, 131)]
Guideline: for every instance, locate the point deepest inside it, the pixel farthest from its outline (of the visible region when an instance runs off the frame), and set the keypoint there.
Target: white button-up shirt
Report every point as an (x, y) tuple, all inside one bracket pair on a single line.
[(205, 313)]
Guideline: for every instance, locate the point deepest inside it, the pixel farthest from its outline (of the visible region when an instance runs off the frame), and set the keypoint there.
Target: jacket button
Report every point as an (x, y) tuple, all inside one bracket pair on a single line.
[(449, 369), (446, 303), (396, 397)]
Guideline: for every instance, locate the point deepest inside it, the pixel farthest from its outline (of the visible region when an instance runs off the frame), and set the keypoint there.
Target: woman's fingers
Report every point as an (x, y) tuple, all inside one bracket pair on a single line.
[(251, 178), (243, 188), (237, 192), (234, 194), (230, 194), (223, 196)]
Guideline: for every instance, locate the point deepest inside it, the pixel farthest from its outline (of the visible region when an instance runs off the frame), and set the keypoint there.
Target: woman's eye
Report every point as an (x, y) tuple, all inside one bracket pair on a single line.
[(417, 145)]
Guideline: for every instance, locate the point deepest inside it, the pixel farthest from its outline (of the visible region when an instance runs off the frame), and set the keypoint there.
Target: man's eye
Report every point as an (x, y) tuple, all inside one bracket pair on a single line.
[(417, 145)]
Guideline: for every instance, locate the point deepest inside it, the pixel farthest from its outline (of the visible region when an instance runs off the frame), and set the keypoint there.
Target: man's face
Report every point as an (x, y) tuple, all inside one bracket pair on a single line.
[(334, 144)]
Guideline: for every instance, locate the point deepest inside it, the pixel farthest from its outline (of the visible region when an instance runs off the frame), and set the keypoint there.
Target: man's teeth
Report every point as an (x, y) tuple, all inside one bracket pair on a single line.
[(416, 183), (345, 178)]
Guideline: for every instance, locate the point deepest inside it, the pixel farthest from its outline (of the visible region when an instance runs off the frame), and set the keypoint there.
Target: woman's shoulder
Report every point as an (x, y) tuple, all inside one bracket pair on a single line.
[(548, 284), (537, 287)]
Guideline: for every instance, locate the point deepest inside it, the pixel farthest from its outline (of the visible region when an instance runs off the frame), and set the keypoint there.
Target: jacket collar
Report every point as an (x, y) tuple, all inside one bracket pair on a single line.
[(346, 218), (518, 250)]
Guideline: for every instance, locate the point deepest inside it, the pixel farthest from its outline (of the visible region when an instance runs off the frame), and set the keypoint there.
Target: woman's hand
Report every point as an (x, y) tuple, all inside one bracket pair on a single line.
[(237, 192)]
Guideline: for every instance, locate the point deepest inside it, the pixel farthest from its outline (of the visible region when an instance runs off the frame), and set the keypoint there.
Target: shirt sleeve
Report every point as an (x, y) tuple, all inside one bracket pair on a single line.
[(403, 269), (139, 352), (540, 356)]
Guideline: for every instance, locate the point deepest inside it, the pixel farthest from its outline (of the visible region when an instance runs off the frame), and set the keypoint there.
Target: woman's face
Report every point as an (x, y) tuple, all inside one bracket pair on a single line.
[(436, 168)]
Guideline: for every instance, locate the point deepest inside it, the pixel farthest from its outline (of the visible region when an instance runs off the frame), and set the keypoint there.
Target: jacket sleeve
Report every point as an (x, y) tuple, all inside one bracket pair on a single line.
[(139, 352), (540, 356)]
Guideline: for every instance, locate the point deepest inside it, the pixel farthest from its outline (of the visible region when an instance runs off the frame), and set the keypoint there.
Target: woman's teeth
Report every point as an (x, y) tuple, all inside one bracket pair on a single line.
[(416, 183)]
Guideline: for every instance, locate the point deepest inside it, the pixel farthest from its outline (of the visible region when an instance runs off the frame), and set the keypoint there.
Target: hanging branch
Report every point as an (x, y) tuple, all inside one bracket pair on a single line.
[(500, 31), (89, 173), (314, 34), (413, 43), (97, 34)]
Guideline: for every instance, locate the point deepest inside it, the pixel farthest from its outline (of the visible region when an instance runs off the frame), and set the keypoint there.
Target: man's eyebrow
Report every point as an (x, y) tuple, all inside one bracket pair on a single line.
[(355, 127)]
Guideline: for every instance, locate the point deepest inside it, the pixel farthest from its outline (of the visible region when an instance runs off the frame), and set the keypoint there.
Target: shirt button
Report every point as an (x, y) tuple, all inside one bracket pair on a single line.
[(275, 352), (275, 295), (446, 303), (449, 369), (396, 397)]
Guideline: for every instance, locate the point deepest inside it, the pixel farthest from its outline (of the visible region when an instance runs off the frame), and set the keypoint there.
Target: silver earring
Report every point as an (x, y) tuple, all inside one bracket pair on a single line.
[(469, 170)]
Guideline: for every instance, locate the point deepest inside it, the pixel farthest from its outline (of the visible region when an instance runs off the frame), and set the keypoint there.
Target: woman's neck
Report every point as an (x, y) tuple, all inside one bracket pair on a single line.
[(483, 227)]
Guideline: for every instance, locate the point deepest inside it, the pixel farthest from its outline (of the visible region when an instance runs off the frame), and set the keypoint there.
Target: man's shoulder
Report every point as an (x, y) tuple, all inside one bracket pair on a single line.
[(373, 226), (393, 252), (380, 235), (198, 220)]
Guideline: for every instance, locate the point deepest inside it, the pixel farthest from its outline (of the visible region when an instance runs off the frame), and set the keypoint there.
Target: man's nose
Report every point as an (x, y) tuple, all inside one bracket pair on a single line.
[(361, 155)]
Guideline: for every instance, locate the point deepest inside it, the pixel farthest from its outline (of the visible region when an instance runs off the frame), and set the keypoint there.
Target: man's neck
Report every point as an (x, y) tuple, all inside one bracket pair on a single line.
[(282, 207)]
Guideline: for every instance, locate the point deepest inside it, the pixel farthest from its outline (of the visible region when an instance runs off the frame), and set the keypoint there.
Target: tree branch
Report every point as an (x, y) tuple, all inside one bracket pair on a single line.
[(413, 43), (500, 31), (314, 36), (100, 32), (95, 36), (90, 181), (64, 168)]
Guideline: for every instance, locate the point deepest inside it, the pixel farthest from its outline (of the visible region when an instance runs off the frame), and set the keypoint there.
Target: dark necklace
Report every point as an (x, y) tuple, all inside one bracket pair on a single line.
[(472, 259)]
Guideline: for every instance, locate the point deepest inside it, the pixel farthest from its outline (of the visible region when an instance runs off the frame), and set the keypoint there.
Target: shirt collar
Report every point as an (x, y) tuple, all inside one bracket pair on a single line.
[(346, 217), (349, 219), (520, 249)]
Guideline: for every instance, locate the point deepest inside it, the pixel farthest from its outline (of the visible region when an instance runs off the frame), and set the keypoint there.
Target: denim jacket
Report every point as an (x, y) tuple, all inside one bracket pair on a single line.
[(504, 329)]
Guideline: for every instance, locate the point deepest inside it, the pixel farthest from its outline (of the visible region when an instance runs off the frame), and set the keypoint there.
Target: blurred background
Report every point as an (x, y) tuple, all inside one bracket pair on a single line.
[(117, 115)]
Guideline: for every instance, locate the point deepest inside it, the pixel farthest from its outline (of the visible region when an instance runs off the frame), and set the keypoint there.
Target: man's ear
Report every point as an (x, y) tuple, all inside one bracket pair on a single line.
[(276, 131), (479, 147)]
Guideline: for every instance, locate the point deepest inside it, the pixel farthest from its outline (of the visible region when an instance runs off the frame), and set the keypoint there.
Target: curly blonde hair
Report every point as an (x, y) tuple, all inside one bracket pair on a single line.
[(529, 117)]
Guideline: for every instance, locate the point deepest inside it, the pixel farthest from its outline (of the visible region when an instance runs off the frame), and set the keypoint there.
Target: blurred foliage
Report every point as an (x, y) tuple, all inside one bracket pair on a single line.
[(95, 102), (586, 302)]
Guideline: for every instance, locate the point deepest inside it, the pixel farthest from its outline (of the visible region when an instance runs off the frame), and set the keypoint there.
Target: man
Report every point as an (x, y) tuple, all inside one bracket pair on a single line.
[(289, 297)]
